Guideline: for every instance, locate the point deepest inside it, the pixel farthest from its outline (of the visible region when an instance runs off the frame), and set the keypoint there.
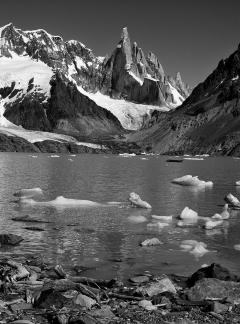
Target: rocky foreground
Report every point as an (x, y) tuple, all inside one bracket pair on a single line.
[(32, 291)]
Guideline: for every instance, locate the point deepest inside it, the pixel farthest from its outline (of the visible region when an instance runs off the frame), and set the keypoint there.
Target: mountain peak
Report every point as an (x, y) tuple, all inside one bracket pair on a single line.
[(124, 35)]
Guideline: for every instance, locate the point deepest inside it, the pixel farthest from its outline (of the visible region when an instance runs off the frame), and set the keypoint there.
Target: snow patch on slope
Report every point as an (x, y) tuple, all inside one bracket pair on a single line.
[(177, 98), (128, 113), (21, 69)]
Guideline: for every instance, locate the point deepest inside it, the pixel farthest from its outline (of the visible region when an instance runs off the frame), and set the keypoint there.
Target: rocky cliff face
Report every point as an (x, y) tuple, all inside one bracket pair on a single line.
[(208, 121), (51, 85)]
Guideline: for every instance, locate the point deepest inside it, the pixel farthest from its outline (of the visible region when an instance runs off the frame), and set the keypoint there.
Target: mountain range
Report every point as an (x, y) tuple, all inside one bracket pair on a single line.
[(56, 95)]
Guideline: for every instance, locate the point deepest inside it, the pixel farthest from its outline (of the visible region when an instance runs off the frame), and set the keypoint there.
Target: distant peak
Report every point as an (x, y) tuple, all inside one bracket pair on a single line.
[(124, 33)]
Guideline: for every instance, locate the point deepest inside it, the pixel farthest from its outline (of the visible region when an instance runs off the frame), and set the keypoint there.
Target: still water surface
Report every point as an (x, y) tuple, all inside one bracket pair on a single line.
[(98, 237)]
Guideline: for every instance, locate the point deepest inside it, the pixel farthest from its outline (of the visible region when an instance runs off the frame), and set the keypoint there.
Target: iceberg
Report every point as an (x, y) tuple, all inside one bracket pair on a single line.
[(238, 183), (224, 214), (136, 201), (188, 213), (137, 219), (151, 242), (189, 180), (232, 201)]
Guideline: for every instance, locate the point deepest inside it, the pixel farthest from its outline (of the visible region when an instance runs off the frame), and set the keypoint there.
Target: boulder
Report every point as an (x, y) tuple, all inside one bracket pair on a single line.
[(157, 287), (212, 271), (147, 304), (85, 301), (215, 288)]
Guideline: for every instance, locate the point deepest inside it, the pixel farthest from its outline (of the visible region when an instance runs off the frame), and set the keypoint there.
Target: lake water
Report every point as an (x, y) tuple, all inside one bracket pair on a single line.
[(97, 237)]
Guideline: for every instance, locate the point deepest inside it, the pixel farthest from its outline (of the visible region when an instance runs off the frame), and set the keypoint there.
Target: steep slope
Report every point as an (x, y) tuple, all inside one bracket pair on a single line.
[(209, 119), (51, 85)]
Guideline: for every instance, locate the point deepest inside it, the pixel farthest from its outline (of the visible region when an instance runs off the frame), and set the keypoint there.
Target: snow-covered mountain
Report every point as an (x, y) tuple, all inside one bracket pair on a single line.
[(51, 85)]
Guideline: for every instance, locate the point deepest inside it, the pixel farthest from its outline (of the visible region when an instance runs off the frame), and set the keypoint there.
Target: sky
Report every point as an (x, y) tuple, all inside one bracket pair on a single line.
[(190, 36)]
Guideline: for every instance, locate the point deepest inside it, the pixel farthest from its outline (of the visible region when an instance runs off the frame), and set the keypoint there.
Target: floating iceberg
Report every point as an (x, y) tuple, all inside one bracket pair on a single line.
[(189, 180), (136, 201), (238, 183), (237, 247), (224, 214), (194, 158), (232, 201), (188, 213), (28, 193)]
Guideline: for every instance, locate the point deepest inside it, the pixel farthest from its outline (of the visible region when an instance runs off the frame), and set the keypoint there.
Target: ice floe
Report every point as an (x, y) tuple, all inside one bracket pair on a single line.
[(158, 225), (189, 180), (127, 154), (136, 201)]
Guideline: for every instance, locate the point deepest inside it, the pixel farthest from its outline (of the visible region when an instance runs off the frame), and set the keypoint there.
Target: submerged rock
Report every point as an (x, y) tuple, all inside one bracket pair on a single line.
[(10, 239), (136, 201)]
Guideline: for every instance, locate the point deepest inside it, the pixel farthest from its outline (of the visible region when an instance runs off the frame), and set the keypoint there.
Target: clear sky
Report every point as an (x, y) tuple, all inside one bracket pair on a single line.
[(189, 36)]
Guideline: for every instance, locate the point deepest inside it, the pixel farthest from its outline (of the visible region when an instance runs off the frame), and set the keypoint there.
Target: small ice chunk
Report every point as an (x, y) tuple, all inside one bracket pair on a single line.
[(196, 248), (188, 213), (136, 201), (159, 225), (238, 183)]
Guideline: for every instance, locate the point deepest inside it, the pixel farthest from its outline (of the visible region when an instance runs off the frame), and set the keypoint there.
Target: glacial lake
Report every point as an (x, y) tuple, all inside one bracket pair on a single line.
[(99, 238)]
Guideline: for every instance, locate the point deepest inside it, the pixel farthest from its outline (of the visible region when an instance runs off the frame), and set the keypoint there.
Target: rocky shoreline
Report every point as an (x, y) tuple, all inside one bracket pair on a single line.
[(33, 291)]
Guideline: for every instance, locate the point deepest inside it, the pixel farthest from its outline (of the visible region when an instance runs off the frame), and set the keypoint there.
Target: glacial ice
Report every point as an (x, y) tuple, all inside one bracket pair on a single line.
[(136, 201), (189, 180)]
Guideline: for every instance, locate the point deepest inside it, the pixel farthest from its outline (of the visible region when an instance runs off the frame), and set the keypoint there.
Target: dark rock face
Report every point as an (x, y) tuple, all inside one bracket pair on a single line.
[(132, 76)]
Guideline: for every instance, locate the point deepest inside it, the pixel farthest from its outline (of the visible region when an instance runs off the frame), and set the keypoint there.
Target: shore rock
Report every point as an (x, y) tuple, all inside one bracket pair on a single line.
[(215, 288), (157, 287), (85, 301), (213, 271)]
